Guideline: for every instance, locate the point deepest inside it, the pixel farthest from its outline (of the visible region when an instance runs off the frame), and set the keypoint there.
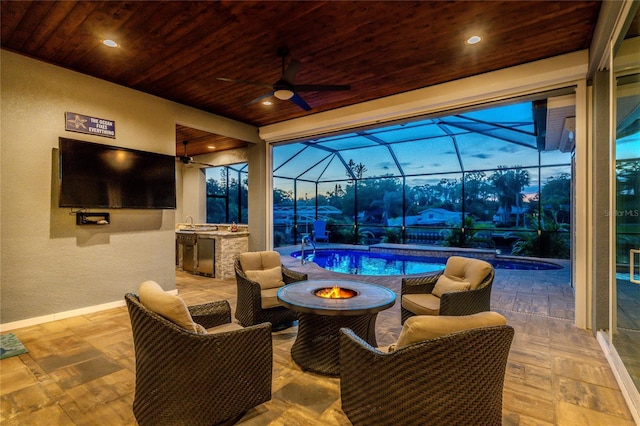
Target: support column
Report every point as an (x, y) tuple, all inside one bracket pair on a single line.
[(600, 202)]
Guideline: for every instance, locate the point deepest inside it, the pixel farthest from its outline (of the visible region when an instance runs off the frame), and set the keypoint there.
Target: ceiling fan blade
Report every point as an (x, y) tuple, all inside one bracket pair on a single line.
[(296, 99), (320, 87), (289, 75), (189, 161), (202, 164), (255, 83), (259, 98)]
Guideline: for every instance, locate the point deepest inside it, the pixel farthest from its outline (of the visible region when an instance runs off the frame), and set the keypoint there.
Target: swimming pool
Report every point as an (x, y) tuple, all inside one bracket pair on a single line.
[(364, 262)]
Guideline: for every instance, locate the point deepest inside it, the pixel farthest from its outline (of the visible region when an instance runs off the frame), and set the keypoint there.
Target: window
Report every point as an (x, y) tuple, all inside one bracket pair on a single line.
[(227, 193)]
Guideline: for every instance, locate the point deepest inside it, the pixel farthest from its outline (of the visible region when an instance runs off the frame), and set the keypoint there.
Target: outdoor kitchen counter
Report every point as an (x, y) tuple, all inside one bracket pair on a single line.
[(226, 246)]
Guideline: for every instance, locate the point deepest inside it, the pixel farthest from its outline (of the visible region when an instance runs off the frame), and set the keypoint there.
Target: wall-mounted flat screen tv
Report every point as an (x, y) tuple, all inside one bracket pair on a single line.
[(97, 175)]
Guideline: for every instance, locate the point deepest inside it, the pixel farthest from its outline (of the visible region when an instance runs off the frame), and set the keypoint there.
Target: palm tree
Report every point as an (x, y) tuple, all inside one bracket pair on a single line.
[(509, 183)]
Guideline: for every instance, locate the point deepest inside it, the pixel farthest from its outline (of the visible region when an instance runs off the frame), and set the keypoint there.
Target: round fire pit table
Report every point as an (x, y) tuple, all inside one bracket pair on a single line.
[(317, 346)]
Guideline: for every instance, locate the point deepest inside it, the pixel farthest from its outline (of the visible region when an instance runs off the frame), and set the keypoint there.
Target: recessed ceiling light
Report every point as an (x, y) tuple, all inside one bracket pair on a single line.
[(110, 43), (474, 39), (211, 147), (267, 103)]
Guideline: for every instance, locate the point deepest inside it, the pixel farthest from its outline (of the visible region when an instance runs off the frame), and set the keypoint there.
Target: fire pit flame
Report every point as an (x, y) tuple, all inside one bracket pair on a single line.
[(335, 292)]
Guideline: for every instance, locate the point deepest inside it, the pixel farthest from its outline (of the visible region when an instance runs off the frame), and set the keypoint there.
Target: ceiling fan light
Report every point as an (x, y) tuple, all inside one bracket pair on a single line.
[(283, 94)]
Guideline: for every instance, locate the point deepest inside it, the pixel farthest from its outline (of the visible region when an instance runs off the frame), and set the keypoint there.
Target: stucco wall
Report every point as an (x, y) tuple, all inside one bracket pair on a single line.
[(48, 264)]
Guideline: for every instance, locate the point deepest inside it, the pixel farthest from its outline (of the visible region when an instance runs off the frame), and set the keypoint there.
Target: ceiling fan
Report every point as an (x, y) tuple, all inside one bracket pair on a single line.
[(285, 88), (185, 159)]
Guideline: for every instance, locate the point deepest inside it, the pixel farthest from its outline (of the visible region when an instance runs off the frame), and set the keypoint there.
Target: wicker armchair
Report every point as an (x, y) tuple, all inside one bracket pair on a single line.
[(456, 379), (417, 296), (183, 377), (250, 309)]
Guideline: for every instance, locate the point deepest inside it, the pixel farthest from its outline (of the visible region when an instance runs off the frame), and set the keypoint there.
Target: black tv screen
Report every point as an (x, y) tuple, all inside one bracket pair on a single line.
[(97, 175)]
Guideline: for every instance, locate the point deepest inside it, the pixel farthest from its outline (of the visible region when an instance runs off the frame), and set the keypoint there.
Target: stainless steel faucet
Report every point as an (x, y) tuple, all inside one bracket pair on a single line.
[(189, 220)]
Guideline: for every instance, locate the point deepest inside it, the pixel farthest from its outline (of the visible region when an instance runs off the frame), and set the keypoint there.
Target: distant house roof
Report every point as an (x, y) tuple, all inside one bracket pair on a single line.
[(440, 211)]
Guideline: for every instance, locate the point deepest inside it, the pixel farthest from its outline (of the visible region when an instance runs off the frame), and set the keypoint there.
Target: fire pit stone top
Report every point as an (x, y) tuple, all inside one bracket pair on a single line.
[(365, 297)]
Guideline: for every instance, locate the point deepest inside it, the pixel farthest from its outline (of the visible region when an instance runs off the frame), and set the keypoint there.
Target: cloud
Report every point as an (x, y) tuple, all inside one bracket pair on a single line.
[(386, 165), (512, 147)]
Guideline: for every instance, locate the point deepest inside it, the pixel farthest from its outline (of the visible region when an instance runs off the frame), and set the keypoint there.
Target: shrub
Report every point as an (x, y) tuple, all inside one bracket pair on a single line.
[(391, 235), (550, 242)]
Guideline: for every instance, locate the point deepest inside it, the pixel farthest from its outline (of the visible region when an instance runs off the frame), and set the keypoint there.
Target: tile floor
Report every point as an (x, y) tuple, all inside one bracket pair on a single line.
[(80, 371)]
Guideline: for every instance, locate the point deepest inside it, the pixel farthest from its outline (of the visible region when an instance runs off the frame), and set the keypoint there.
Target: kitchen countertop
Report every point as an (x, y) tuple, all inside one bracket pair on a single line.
[(208, 232), (222, 233)]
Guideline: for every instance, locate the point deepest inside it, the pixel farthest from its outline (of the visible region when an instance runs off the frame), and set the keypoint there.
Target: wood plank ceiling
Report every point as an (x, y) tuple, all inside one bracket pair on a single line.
[(176, 50)]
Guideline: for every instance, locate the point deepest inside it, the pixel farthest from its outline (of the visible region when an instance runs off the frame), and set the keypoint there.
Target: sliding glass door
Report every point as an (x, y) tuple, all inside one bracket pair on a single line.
[(625, 220)]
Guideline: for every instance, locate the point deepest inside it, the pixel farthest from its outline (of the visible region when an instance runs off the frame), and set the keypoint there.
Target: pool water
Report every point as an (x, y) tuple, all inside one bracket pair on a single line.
[(372, 263)]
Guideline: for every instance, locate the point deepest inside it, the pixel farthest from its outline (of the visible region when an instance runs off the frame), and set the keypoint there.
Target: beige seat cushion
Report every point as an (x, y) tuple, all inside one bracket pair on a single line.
[(267, 278), (421, 304), (173, 308), (387, 349), (259, 260), (419, 328), (467, 269), (269, 298), (231, 326), (446, 284)]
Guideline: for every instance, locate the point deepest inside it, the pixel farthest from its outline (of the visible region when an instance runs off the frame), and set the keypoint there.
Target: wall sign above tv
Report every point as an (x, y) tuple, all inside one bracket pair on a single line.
[(79, 123), (104, 176)]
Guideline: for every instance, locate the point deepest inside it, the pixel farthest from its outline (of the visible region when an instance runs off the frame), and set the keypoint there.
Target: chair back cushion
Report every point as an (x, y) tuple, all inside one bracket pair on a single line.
[(446, 284), (259, 260), (267, 278), (474, 271), (419, 328), (173, 308)]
